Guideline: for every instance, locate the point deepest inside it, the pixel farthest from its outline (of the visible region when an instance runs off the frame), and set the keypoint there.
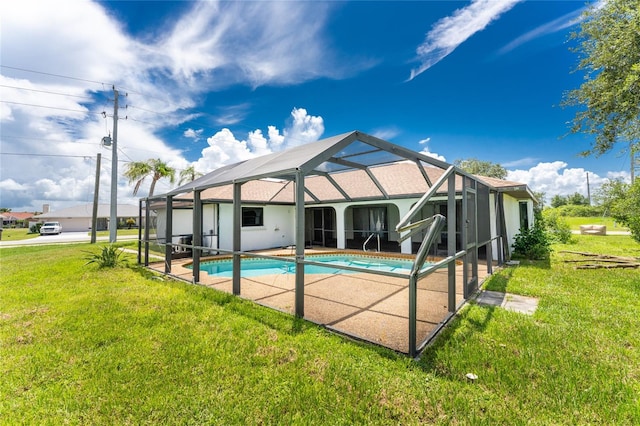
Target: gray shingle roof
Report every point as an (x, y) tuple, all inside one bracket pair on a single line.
[(346, 167)]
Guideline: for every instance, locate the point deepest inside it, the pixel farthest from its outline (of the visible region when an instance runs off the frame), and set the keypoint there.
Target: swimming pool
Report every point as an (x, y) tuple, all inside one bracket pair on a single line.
[(254, 267)]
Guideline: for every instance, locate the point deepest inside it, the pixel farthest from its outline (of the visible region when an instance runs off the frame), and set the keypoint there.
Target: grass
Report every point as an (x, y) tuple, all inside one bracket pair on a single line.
[(133, 231), (611, 224), (16, 234), (82, 345)]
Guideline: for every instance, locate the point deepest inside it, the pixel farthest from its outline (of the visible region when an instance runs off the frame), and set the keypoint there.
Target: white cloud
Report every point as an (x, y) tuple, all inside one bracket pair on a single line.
[(231, 114), (387, 133), (423, 141), (213, 45), (258, 43), (625, 176), (555, 178), (520, 162), (437, 156), (433, 155), (450, 32), (304, 128), (568, 20), (12, 185), (192, 134), (225, 149)]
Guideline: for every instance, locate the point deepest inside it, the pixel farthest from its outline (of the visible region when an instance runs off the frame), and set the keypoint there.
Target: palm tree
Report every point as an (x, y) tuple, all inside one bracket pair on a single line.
[(188, 175), (137, 171)]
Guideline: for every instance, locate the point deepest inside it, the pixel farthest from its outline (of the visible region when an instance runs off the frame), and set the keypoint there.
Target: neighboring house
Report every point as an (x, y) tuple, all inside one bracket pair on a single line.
[(78, 218), (344, 206), (16, 219)]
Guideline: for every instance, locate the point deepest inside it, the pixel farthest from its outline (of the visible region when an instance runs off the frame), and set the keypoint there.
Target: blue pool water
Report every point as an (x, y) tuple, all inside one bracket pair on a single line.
[(254, 267)]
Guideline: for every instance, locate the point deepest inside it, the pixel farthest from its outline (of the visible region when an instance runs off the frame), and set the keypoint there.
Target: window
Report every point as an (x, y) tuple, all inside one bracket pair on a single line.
[(524, 215), (252, 216)]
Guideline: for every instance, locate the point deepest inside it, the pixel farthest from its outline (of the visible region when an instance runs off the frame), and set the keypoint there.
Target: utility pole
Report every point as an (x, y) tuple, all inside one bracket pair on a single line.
[(94, 217), (113, 218)]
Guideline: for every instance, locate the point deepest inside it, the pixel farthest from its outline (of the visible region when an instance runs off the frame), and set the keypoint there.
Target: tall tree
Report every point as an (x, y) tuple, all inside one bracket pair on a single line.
[(611, 193), (188, 175), (559, 200), (541, 197), (482, 168), (609, 49), (626, 209), (577, 199), (137, 171)]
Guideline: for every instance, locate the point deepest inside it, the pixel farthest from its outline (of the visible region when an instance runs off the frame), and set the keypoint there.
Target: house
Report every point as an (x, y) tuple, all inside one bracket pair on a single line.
[(351, 191), (16, 219), (78, 218), (343, 207)]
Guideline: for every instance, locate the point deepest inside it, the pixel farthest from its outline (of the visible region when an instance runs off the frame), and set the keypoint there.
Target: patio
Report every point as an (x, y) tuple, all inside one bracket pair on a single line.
[(364, 306)]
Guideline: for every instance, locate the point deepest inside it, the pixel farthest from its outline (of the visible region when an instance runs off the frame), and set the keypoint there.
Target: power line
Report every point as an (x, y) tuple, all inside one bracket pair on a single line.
[(86, 157), (206, 126), (46, 91), (46, 155), (45, 140), (53, 75), (50, 107)]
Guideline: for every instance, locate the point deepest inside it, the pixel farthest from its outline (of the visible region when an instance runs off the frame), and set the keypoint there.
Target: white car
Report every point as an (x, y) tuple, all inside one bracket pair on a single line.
[(50, 228)]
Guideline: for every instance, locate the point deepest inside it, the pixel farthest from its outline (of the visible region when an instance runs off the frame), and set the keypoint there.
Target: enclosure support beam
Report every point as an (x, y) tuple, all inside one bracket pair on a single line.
[(413, 314), (168, 239), (502, 228), (196, 241), (464, 229), (299, 297), (451, 240), (147, 215), (237, 234), (140, 231)]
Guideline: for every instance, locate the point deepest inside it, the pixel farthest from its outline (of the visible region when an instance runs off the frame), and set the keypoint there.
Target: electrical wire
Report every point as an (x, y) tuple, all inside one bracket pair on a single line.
[(46, 91), (197, 113), (52, 75), (30, 154), (50, 107)]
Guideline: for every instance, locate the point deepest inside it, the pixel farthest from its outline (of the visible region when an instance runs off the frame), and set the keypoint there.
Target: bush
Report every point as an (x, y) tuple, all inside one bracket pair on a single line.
[(626, 209), (580, 211), (532, 243), (557, 226), (109, 257), (35, 229)]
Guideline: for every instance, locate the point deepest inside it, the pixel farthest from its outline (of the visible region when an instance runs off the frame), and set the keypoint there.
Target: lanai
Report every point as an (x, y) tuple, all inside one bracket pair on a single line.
[(314, 175)]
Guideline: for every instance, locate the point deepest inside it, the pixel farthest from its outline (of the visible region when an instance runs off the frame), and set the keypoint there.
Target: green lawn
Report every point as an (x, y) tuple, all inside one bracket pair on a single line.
[(133, 231), (15, 234), (86, 346), (611, 224)]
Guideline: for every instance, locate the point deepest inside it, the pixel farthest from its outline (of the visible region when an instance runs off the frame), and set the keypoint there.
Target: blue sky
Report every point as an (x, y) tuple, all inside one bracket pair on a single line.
[(209, 83)]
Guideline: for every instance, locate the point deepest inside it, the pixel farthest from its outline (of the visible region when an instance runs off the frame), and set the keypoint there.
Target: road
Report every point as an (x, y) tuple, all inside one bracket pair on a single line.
[(63, 238)]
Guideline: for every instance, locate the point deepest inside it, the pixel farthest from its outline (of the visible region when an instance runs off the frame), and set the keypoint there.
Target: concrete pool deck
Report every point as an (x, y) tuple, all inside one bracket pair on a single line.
[(366, 306)]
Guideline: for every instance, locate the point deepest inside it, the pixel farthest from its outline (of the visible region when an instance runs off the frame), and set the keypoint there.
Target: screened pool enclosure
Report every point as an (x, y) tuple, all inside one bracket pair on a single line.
[(355, 194)]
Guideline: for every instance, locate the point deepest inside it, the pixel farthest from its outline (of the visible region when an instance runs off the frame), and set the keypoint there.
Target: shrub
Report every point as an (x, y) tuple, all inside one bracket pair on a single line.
[(35, 229), (109, 257), (580, 211), (626, 209), (557, 226), (532, 243)]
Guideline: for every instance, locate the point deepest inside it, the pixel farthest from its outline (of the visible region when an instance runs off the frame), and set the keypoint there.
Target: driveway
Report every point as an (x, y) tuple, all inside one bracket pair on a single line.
[(63, 238)]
